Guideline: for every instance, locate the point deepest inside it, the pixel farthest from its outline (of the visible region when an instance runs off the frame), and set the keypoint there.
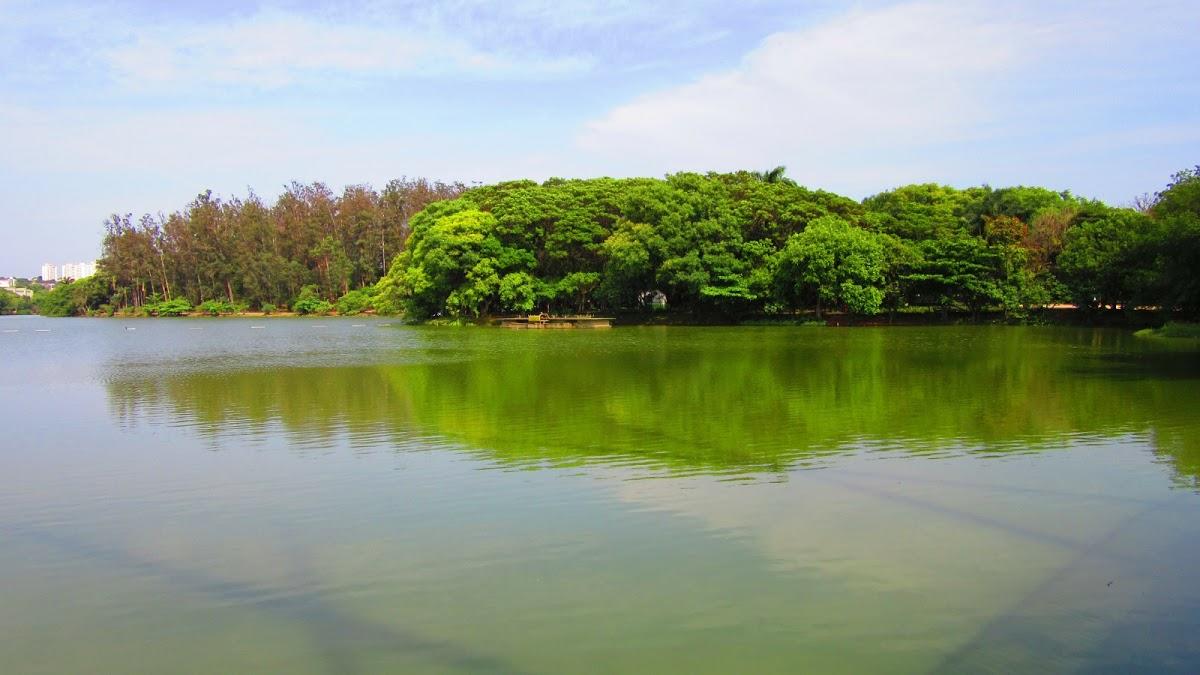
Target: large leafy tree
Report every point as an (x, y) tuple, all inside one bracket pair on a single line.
[(962, 271), (1177, 210), (1106, 259), (632, 254), (455, 265), (833, 263)]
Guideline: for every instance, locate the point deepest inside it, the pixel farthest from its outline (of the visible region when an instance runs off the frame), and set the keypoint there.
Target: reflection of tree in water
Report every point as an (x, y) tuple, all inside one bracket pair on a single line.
[(1180, 448), (718, 400)]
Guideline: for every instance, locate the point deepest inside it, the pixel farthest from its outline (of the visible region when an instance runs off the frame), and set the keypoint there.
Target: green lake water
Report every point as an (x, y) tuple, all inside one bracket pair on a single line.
[(353, 495)]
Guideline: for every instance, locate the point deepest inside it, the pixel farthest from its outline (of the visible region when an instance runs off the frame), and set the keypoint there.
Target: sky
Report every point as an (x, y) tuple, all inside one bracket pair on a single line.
[(136, 107)]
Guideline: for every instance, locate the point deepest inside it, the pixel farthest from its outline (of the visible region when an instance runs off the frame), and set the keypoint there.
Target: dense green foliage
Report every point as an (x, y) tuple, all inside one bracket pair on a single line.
[(219, 307), (310, 302), (355, 302), (75, 297), (172, 307), (747, 243), (726, 245), (832, 263), (8, 302)]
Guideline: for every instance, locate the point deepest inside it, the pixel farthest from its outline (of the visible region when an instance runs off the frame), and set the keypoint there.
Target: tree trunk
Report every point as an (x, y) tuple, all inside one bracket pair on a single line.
[(383, 264)]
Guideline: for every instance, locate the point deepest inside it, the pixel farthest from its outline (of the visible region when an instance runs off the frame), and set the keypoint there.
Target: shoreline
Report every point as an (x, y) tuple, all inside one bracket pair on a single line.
[(1148, 321)]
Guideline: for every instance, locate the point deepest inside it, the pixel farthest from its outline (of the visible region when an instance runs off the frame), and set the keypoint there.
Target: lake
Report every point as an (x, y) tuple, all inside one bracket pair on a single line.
[(354, 495)]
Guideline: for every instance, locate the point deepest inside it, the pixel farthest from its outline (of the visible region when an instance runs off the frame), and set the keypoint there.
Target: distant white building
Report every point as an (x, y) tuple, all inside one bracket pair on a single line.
[(8, 282), (79, 270)]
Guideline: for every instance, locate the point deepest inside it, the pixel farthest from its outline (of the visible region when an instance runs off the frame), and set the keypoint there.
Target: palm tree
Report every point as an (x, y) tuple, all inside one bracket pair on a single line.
[(775, 175)]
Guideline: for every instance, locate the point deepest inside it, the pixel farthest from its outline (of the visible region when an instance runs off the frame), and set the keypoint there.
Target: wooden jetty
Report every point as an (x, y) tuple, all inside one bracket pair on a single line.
[(544, 321)]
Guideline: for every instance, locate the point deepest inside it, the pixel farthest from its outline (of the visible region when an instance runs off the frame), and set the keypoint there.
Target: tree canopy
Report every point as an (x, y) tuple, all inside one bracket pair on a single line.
[(724, 244)]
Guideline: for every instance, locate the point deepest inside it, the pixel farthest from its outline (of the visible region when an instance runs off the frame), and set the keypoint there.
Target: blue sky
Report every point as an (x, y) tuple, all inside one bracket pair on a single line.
[(138, 106)]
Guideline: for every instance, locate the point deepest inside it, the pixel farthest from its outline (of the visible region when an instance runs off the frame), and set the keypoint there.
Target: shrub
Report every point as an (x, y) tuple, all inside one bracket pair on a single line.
[(216, 308), (211, 307), (308, 302), (172, 307), (267, 308), (354, 302), (312, 306)]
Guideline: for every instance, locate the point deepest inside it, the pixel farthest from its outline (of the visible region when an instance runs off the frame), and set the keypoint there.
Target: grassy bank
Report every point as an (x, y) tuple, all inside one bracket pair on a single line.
[(1180, 330)]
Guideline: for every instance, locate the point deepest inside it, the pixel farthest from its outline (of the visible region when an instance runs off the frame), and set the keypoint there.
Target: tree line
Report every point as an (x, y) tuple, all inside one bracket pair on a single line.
[(310, 244), (721, 244), (756, 243)]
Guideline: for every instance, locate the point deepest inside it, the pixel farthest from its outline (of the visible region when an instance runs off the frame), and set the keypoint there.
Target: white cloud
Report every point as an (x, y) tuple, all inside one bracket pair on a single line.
[(276, 48), (270, 46), (909, 75), (98, 140), (521, 20), (928, 90)]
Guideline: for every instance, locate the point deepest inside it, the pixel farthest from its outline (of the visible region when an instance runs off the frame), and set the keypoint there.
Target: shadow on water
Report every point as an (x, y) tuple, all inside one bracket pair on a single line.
[(1045, 624), (1157, 365), (342, 637), (720, 401)]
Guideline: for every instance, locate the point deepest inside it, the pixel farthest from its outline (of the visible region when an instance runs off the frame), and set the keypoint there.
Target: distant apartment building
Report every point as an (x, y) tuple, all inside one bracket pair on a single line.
[(79, 270), (8, 282), (76, 270)]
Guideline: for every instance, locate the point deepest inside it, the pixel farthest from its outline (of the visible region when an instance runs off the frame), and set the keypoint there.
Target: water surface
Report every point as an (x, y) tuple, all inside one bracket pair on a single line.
[(353, 495)]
